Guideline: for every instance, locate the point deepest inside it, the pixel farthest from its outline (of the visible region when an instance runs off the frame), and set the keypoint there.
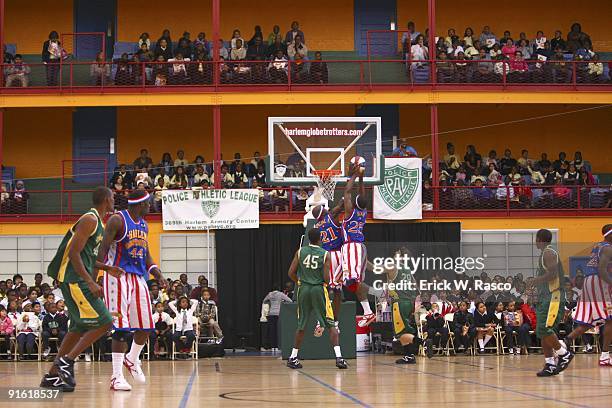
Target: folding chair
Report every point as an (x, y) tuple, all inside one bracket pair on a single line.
[(450, 344), (500, 336), (208, 339), (11, 346), (193, 352)]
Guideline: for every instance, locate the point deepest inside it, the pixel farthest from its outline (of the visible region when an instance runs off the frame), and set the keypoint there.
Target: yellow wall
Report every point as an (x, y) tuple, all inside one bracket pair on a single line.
[(594, 16), (28, 24), (37, 140), (586, 131), (326, 25)]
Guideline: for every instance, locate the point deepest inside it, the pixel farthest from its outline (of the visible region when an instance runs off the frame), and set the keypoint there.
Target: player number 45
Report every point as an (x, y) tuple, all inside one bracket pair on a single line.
[(311, 261)]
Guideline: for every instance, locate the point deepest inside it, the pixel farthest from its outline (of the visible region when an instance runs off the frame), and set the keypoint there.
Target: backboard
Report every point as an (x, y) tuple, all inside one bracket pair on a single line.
[(297, 146)]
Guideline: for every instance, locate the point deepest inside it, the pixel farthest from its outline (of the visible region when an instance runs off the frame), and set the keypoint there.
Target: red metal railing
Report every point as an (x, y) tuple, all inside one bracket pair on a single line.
[(406, 74), (454, 201)]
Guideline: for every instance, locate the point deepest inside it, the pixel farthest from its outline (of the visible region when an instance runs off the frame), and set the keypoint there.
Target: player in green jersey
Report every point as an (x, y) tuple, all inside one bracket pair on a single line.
[(549, 312), (75, 266), (310, 270)]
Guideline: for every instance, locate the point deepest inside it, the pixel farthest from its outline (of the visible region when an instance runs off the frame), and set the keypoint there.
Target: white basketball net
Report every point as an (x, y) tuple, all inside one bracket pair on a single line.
[(326, 181)]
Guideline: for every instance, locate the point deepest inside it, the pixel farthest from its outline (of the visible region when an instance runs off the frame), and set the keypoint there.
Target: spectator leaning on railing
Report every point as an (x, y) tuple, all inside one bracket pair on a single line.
[(17, 73)]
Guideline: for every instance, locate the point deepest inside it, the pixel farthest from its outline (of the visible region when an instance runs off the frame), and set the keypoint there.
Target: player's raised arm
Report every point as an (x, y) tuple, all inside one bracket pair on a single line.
[(361, 184), (335, 212), (348, 202), (82, 231), (605, 257), (294, 267)]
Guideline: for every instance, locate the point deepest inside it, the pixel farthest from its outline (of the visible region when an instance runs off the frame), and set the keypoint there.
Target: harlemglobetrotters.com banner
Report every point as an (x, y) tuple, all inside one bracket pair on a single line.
[(399, 197), (210, 209)]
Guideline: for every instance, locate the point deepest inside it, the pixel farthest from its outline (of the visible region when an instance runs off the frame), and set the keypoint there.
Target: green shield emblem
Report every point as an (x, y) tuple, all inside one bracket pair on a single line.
[(399, 186), (210, 208)]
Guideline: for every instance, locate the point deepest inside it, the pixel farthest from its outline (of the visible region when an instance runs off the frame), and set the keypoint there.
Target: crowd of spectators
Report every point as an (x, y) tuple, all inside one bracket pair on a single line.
[(34, 318), (490, 58)]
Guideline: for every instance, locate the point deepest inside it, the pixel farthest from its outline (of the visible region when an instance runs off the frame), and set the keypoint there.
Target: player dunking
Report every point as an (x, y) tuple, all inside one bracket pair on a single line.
[(331, 240), (74, 267), (354, 253), (548, 308), (125, 245), (595, 302), (310, 270)]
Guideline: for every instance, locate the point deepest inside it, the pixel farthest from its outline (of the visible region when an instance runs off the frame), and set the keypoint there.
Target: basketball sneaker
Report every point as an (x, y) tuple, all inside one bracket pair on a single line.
[(55, 382), (65, 369), (120, 384), (409, 359), (318, 330), (366, 320), (428, 345), (605, 361), (341, 363), (564, 361), (294, 363), (548, 371), (135, 370)]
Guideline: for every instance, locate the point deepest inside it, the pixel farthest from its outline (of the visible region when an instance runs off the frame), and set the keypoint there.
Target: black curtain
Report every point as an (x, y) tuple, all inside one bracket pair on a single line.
[(251, 262)]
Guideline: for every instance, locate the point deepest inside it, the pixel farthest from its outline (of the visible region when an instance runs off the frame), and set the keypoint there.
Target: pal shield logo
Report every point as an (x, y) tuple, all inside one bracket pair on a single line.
[(210, 208), (399, 186)]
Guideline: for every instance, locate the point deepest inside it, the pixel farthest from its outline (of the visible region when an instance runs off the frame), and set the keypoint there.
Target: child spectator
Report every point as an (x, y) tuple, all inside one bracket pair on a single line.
[(513, 322), (27, 329), (162, 335), (484, 326), (207, 314), (17, 73), (235, 37), (185, 322), (274, 35), (100, 71), (464, 329), (6, 330), (435, 325), (179, 180), (53, 325), (318, 70)]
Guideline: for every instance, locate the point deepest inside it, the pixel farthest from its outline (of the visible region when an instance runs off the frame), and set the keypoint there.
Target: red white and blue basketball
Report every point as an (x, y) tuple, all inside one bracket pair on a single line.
[(358, 161)]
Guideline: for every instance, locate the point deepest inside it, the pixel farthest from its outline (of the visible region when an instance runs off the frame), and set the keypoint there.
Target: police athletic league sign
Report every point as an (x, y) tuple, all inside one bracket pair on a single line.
[(210, 209), (399, 197)]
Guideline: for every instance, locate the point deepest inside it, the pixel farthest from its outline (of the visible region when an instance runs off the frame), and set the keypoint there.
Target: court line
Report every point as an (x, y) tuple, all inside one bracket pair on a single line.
[(187, 391), (334, 389), (528, 394)]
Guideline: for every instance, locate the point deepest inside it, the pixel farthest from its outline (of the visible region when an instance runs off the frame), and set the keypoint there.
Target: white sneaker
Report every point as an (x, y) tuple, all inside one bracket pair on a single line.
[(120, 384), (135, 370), (47, 351), (87, 357), (518, 351), (511, 351)]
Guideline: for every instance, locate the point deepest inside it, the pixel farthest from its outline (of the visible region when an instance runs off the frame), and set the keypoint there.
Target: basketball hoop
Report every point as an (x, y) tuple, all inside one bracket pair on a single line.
[(326, 181)]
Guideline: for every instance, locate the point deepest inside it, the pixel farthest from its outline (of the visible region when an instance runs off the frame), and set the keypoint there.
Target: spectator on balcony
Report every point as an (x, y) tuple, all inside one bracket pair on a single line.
[(184, 49), (178, 70), (144, 39), (236, 35), (167, 163), (440, 46), (18, 73), (179, 180), (162, 175), (586, 178), (419, 53), (238, 52), (257, 33), (278, 45), (595, 70), (8, 57), (160, 186), (519, 70), (496, 51), (481, 192), (142, 176), (525, 49), (472, 159), (257, 50), (409, 38), (503, 192), (446, 70), (51, 57), (551, 176), (165, 36), (19, 198), (297, 50), (578, 160), (454, 49), (461, 64), (539, 41), (143, 161), (509, 49), (484, 71), (468, 37), (124, 75), (200, 176), (471, 51), (274, 35), (451, 37), (99, 71), (507, 162), (561, 164), (560, 191), (293, 33), (121, 192), (223, 51), (507, 36), (491, 158), (487, 38), (494, 175), (577, 39), (524, 162), (451, 159), (558, 41), (537, 177), (201, 43), (260, 176), (318, 70), (163, 49), (571, 175), (237, 161), (160, 71), (180, 159), (477, 175), (560, 68), (544, 163), (239, 175), (279, 199)]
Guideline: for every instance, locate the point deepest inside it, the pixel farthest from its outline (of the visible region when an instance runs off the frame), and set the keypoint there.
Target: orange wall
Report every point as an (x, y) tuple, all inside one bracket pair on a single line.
[(29, 25), (167, 129), (37, 140), (326, 25), (594, 16), (586, 131)]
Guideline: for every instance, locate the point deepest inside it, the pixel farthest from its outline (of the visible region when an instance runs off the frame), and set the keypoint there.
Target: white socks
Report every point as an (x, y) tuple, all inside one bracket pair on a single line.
[(481, 343), (118, 364), (366, 307), (294, 353), (337, 351), (550, 360), (134, 354), (487, 338), (562, 350)]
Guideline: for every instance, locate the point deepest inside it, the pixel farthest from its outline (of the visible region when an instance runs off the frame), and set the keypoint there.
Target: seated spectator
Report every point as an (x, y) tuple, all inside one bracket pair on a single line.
[(257, 50), (577, 160), (558, 41), (595, 70), (480, 192), (451, 37), (166, 37), (468, 37), (487, 38), (200, 177), (207, 315), (223, 51), (293, 33), (124, 75), (507, 162), (144, 39), (544, 163), (537, 177), (539, 41), (160, 71), (260, 176), (239, 175), (446, 70), (586, 178), (179, 179), (27, 330), (164, 50), (180, 160), (142, 177), (4, 199), (501, 67), (200, 71), (524, 193), (99, 71), (19, 198), (279, 199), (238, 52), (454, 50), (571, 176), (257, 33), (519, 70), (121, 193), (525, 49), (179, 74), (561, 70), (184, 48), (162, 335), (484, 71), (162, 175), (496, 52), (202, 42), (8, 57), (274, 35), (451, 159), (419, 53), (235, 37), (464, 330), (278, 45), (523, 162), (472, 160), (17, 73), (504, 192), (560, 191), (577, 39), (484, 326), (440, 46), (507, 36), (551, 176), (160, 186), (471, 51), (6, 331), (436, 326), (318, 70), (561, 164), (143, 161), (185, 323), (196, 292), (278, 68), (54, 325), (509, 49)]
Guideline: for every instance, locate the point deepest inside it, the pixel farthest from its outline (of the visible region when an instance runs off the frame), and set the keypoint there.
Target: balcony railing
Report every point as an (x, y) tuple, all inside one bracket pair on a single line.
[(288, 203), (233, 76)]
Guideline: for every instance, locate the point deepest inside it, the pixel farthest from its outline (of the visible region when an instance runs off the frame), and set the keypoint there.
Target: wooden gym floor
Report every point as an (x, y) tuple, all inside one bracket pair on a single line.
[(371, 381)]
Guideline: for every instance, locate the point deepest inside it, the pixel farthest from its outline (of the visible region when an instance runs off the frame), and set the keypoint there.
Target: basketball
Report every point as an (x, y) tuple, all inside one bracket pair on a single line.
[(358, 163)]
